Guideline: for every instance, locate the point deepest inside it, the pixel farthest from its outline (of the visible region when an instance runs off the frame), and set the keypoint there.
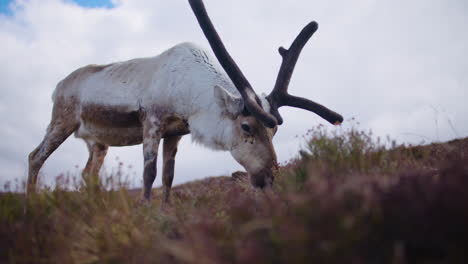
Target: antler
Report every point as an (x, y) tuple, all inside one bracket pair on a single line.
[(251, 100), (280, 97)]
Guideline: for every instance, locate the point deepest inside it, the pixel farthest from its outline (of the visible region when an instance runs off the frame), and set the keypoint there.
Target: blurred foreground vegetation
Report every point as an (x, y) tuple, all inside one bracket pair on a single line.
[(346, 199)]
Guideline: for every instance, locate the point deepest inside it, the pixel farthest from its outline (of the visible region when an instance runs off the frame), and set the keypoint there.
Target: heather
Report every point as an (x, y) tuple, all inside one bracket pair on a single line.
[(346, 198)]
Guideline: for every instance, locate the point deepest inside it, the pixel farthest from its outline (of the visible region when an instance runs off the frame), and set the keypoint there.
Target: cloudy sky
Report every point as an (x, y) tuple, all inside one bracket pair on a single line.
[(399, 67)]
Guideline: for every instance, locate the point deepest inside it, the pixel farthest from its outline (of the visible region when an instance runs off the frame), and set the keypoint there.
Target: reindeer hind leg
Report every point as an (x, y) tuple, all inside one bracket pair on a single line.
[(60, 128), (97, 153)]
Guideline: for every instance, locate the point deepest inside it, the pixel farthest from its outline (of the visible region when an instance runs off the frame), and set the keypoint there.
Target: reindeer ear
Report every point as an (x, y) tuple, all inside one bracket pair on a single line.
[(229, 102)]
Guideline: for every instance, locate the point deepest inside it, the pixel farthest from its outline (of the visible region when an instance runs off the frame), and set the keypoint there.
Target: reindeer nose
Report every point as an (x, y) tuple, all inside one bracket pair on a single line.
[(262, 179), (258, 182)]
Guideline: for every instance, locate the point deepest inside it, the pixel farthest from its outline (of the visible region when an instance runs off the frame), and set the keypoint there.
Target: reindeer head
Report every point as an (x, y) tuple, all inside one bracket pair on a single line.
[(256, 118)]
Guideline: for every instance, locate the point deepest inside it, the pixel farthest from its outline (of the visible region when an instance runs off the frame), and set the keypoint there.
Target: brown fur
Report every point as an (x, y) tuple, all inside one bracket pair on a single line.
[(97, 153), (169, 153), (110, 116), (82, 73), (93, 68), (175, 126), (62, 125)]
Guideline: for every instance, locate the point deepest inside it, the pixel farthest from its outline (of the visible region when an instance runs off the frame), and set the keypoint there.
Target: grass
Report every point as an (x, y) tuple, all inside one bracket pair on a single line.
[(346, 199)]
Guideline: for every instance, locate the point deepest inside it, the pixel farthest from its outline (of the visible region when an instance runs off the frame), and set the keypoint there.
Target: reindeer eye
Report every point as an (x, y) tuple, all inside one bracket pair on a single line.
[(246, 128)]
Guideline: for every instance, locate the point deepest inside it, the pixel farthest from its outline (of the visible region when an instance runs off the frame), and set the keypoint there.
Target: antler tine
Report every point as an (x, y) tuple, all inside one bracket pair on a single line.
[(251, 100), (290, 58), (280, 97)]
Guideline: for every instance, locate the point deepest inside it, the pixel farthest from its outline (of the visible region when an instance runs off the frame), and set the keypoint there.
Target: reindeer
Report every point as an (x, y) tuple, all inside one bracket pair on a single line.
[(181, 91)]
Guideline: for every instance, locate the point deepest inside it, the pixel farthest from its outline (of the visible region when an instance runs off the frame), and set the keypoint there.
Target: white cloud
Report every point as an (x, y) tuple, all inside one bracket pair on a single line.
[(387, 63)]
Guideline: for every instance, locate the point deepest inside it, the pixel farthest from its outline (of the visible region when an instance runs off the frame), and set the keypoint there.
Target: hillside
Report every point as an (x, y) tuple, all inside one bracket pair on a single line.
[(346, 199)]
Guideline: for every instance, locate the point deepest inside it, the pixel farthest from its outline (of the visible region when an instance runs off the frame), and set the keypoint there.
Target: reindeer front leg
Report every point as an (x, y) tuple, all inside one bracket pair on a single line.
[(169, 153), (151, 139)]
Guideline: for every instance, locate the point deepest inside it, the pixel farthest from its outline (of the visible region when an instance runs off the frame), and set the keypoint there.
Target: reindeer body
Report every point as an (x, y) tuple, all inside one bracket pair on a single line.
[(141, 101), (176, 87)]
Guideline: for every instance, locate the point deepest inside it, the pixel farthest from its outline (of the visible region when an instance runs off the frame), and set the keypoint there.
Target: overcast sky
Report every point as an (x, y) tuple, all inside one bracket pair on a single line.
[(399, 67)]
